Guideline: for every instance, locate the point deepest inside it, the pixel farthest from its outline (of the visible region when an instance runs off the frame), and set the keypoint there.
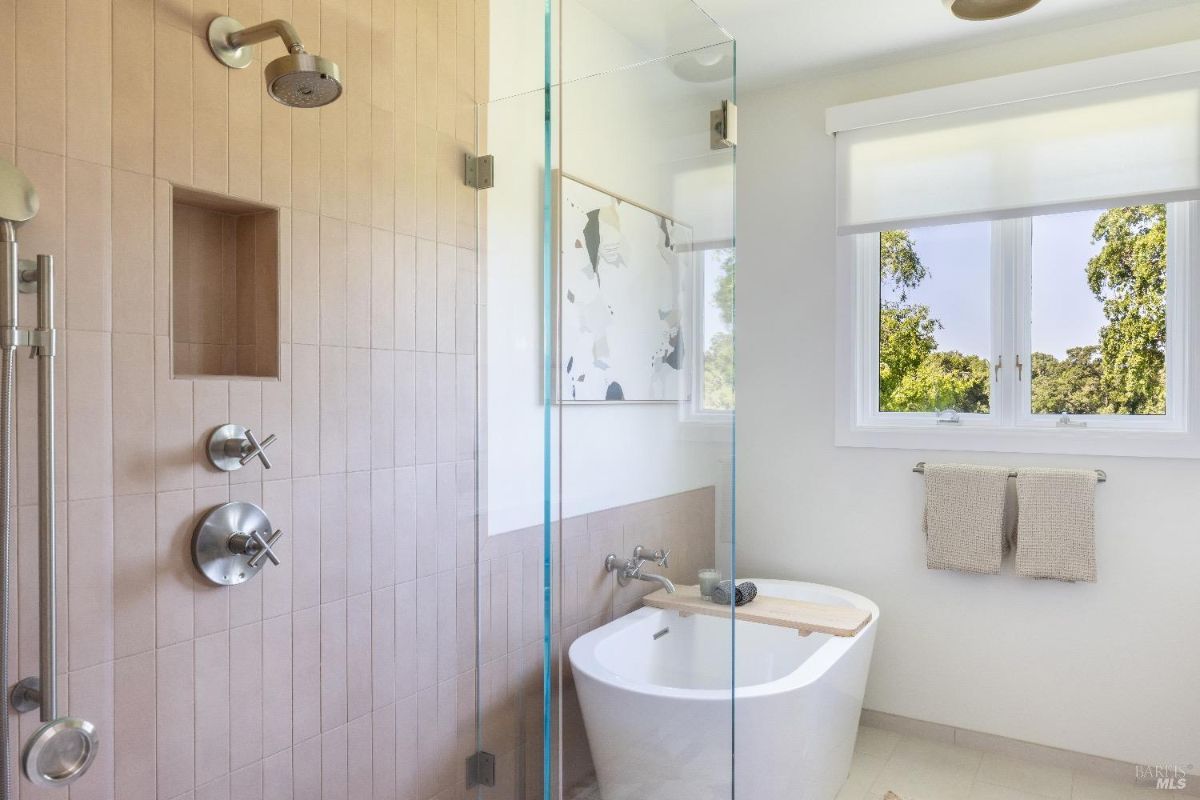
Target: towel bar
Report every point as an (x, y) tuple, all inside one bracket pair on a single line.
[(1101, 475)]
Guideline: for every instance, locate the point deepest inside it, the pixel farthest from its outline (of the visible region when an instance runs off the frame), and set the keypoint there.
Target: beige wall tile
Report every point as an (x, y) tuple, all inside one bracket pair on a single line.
[(334, 556), (8, 70), (133, 401), (306, 160), (89, 80), (277, 689), (210, 119), (383, 169), (246, 170), (89, 415), (132, 252), (333, 281), (333, 156), (358, 160), (212, 684), (41, 75), (359, 274), (358, 409), (305, 278), (382, 409), (133, 559), (88, 272), (173, 50), (333, 410), (175, 714), (134, 729), (133, 63)]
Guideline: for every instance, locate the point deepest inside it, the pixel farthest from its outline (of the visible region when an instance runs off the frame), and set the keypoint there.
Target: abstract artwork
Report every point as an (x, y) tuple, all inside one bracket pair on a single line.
[(622, 299)]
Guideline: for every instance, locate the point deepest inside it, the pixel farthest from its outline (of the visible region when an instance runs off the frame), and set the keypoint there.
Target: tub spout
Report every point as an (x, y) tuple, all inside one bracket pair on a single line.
[(632, 568), (662, 580)]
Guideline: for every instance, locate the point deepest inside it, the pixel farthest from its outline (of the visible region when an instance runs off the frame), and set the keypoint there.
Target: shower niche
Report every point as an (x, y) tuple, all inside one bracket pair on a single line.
[(224, 286)]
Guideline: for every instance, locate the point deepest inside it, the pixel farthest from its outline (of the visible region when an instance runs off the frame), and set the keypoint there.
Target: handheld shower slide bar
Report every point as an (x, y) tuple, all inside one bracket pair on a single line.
[(63, 748)]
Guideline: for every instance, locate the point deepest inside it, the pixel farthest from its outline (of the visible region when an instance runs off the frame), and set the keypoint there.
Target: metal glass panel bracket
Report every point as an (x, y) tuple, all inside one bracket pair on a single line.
[(480, 172), (722, 129)]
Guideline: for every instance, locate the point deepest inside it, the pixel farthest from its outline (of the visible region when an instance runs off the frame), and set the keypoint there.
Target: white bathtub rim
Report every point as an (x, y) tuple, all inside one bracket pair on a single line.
[(582, 653)]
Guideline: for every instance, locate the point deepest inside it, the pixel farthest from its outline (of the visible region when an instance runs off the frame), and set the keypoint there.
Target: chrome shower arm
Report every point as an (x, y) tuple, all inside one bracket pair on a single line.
[(264, 31)]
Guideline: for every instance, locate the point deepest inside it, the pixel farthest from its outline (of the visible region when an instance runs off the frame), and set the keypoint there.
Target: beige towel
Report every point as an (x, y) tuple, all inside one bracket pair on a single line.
[(964, 517), (1056, 533)]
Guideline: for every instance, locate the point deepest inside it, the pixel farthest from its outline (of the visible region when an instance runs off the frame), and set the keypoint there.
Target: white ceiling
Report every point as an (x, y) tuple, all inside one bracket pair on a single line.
[(783, 39)]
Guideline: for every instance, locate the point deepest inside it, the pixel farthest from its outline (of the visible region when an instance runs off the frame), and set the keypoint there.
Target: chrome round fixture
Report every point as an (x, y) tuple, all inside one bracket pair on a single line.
[(233, 542)]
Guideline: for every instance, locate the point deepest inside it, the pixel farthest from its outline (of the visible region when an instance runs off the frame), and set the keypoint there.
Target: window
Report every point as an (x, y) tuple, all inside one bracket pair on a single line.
[(1053, 332), (713, 393), (934, 312)]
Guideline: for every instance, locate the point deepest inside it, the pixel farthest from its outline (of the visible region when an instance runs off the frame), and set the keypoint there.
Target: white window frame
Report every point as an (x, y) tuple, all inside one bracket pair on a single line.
[(1011, 426)]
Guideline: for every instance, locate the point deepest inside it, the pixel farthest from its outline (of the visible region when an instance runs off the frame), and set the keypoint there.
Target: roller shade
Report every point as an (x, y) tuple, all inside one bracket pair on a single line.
[(1108, 146)]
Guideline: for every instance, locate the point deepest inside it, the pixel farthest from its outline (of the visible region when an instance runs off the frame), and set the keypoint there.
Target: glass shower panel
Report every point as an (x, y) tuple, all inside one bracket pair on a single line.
[(604, 386), (642, 307)]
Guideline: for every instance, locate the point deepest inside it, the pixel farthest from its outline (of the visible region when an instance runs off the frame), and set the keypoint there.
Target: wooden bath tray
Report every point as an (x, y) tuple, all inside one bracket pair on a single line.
[(801, 616)]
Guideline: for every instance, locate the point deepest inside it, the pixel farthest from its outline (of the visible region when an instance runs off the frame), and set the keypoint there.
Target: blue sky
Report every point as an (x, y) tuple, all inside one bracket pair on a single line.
[(1065, 313)]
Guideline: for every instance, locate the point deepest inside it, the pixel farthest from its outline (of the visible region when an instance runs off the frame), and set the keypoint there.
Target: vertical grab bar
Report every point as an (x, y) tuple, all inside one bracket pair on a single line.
[(47, 522), (63, 748)]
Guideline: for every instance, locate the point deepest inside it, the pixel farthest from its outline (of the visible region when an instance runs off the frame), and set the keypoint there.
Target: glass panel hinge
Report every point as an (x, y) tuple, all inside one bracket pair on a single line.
[(481, 768), (722, 126), (480, 172)]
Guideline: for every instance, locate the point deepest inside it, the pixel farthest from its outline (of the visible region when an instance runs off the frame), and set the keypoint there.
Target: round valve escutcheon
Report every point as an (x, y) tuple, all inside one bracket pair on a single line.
[(233, 542)]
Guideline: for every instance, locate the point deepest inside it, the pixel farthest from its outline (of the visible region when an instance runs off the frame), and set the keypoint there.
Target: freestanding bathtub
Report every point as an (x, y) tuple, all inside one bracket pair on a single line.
[(655, 692)]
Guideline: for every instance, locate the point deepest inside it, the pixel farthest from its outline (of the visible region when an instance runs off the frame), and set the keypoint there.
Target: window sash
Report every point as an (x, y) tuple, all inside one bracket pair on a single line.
[(1011, 305)]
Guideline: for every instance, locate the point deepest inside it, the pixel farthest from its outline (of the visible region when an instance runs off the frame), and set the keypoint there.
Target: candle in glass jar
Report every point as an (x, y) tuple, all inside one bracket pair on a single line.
[(709, 578)]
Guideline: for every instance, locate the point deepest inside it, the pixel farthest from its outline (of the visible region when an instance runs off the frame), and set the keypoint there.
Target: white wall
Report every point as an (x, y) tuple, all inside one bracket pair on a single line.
[(1111, 669), (641, 133)]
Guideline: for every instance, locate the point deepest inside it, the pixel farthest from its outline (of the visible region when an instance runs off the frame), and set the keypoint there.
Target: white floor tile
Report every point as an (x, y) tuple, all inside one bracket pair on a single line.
[(1025, 776)]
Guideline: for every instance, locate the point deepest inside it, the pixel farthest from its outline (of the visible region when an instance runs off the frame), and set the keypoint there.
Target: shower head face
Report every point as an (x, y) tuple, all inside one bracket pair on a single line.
[(18, 198), (302, 80), (982, 10)]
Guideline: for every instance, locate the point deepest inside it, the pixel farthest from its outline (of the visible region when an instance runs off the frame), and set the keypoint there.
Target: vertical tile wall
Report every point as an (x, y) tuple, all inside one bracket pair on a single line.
[(345, 673)]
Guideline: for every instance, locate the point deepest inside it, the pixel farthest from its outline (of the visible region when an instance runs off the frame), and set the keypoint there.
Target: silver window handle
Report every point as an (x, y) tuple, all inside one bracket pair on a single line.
[(252, 449), (1020, 368)]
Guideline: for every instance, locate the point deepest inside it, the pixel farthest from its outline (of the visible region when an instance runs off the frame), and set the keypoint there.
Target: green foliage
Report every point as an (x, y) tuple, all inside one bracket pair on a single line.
[(899, 264), (1129, 277), (944, 380), (913, 375), (907, 336), (1073, 385), (718, 373), (719, 367)]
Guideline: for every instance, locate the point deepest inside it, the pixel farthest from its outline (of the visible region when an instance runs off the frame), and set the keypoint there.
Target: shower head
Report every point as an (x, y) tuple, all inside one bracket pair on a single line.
[(298, 79), (18, 198), (303, 80)]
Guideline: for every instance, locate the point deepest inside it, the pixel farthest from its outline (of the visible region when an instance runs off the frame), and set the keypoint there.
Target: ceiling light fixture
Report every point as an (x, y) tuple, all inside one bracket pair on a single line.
[(976, 10)]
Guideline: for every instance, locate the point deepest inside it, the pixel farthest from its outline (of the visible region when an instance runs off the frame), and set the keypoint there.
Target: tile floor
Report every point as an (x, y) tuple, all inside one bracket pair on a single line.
[(921, 769)]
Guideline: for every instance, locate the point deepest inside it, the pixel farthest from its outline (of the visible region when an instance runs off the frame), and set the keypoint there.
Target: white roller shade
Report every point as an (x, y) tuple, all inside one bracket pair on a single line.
[(1110, 146)]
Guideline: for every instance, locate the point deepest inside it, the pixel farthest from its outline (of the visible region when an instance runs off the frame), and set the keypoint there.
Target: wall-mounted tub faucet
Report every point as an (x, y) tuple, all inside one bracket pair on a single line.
[(631, 568)]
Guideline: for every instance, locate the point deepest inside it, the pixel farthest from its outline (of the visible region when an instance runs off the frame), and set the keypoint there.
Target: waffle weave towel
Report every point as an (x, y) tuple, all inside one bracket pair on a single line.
[(964, 517), (1056, 533)]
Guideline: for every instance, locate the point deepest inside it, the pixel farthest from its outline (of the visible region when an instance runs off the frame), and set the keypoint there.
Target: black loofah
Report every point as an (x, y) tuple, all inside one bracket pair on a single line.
[(744, 592)]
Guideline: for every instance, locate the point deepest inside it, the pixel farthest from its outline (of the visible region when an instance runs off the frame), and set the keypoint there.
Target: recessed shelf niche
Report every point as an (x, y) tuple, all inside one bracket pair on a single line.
[(224, 286)]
